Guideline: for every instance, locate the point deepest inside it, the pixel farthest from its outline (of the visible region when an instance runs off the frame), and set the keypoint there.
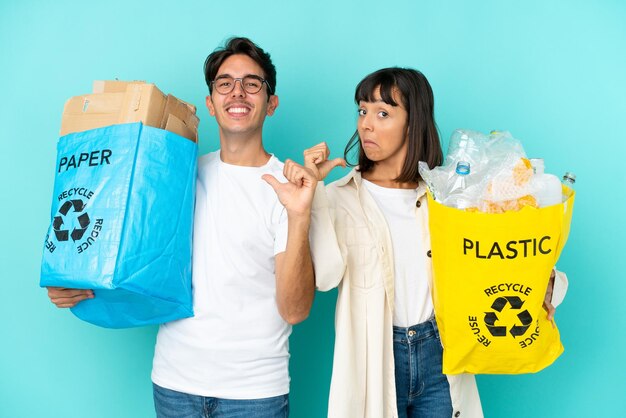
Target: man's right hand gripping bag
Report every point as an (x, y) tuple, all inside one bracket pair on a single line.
[(491, 272), (121, 224)]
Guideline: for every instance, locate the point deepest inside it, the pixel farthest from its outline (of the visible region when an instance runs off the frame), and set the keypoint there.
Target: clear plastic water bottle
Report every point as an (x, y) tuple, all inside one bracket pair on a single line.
[(457, 195), (546, 188), (569, 179)]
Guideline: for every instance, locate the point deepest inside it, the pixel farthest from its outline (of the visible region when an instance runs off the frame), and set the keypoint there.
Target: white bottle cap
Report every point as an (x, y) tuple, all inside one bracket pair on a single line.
[(538, 165)]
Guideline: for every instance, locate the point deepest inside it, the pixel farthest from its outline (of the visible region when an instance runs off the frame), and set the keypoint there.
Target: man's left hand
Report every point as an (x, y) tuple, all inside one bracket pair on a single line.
[(297, 194)]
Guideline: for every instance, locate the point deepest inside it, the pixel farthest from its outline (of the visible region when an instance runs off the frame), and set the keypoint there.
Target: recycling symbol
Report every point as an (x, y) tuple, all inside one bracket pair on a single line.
[(498, 305), (58, 222)]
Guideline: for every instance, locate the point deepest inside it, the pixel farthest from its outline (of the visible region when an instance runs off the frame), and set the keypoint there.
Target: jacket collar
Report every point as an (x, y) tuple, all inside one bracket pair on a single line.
[(354, 177)]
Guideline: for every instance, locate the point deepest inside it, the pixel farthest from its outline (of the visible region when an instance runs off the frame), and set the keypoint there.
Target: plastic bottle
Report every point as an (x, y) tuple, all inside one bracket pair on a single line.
[(465, 147), (457, 196), (545, 187), (568, 180)]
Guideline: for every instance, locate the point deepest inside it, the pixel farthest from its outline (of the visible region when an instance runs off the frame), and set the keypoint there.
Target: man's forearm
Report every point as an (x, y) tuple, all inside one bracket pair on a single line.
[(295, 283)]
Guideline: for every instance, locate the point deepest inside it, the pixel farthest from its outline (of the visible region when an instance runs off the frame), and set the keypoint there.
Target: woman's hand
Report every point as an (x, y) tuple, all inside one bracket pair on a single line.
[(316, 159), (547, 301)]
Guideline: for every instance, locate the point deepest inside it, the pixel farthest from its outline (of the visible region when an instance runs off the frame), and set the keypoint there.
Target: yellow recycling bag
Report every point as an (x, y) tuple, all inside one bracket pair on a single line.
[(491, 272)]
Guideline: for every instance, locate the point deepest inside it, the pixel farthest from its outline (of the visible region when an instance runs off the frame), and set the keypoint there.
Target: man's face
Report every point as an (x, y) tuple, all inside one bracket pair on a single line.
[(239, 112)]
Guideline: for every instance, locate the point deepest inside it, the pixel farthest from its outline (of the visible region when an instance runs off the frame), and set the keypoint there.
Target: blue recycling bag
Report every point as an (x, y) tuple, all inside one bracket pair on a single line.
[(121, 224)]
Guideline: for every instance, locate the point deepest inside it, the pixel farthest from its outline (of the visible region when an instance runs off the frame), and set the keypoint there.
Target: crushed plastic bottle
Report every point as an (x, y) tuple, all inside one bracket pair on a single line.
[(457, 194), (491, 174), (546, 188)]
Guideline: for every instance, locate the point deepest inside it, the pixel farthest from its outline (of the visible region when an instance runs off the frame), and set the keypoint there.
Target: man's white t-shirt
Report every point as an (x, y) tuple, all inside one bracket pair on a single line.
[(413, 304), (236, 346)]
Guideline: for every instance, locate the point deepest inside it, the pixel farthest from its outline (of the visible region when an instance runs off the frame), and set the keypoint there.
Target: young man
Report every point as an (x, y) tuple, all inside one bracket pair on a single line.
[(252, 270)]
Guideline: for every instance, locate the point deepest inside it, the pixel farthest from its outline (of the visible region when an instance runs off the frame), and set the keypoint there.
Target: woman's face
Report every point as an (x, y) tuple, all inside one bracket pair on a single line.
[(383, 129)]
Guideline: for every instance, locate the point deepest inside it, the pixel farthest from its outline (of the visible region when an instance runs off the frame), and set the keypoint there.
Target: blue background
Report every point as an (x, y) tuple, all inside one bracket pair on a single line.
[(551, 72)]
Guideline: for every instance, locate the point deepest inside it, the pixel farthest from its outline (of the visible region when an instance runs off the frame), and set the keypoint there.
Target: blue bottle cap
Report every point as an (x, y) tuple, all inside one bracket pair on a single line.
[(463, 168)]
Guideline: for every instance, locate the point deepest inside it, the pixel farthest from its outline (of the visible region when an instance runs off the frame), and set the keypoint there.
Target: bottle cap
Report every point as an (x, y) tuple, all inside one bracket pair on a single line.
[(569, 177), (463, 168), (538, 165)]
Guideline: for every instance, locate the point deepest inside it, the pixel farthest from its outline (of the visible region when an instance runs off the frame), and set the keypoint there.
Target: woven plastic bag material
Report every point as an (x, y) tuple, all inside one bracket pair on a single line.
[(121, 224)]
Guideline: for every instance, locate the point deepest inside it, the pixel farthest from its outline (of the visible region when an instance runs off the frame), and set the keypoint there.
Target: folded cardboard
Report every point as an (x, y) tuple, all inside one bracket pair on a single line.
[(115, 102)]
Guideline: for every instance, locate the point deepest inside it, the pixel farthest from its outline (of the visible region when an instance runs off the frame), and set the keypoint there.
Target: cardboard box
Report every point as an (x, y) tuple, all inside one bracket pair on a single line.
[(180, 117), (112, 86), (114, 102)]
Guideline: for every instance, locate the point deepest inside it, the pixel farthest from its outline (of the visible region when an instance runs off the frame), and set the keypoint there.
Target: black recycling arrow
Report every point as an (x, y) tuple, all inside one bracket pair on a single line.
[(78, 233), (517, 330), (515, 301), (499, 304), (497, 331), (61, 235), (65, 208), (491, 318), (83, 220), (525, 317), (490, 321), (78, 205), (57, 223)]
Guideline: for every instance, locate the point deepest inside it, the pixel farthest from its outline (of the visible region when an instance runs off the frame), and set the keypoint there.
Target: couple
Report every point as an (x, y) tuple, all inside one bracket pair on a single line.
[(267, 234)]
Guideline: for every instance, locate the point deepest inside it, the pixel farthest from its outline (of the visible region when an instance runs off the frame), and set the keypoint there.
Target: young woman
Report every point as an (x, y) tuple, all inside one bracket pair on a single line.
[(388, 354)]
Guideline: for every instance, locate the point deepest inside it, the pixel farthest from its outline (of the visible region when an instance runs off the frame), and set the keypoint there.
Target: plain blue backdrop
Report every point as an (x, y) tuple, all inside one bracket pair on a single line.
[(551, 72)]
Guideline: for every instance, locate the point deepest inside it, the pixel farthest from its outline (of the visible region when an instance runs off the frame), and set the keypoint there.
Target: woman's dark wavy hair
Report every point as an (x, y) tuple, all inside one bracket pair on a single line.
[(417, 98), (243, 46)]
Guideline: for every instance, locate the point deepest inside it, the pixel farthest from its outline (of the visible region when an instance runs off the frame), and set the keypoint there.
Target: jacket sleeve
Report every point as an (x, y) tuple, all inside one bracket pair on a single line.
[(560, 288), (328, 262)]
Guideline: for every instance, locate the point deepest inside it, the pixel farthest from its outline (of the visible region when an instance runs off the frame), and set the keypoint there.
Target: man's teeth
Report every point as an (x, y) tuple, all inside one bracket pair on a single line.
[(238, 110)]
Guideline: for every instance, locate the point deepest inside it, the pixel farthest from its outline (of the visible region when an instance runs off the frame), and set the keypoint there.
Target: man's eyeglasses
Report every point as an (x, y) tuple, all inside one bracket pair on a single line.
[(251, 84)]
